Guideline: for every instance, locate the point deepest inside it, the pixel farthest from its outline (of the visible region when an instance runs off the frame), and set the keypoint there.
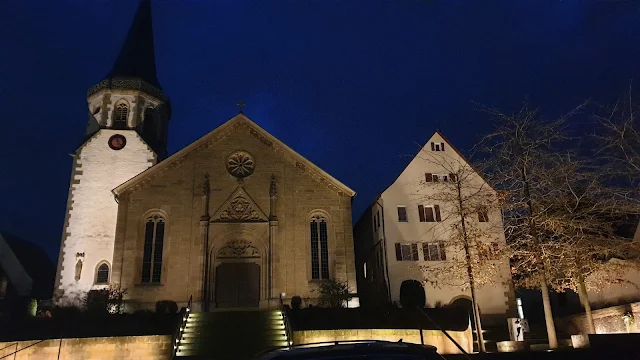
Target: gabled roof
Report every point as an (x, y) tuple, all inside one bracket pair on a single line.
[(437, 132), (270, 140)]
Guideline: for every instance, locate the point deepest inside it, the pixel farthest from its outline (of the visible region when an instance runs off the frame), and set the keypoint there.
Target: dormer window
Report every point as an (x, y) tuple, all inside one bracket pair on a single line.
[(437, 146), (120, 115)]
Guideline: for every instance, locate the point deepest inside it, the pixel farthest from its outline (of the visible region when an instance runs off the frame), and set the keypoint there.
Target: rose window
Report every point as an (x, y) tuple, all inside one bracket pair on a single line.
[(240, 164)]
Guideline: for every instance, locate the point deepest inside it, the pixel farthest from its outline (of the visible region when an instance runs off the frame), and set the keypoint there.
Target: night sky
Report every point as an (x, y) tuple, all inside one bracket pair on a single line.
[(355, 86)]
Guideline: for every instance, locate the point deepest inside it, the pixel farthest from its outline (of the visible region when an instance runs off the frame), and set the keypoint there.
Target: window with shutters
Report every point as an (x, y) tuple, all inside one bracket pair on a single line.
[(437, 146), (319, 247), (102, 274), (434, 251), (429, 213), (489, 251), (483, 215), (152, 250), (430, 177), (120, 115), (402, 213), (406, 251)]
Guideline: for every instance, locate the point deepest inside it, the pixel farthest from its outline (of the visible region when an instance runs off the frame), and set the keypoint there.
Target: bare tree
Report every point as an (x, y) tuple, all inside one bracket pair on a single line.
[(579, 223), (618, 140), (522, 151), (468, 220)]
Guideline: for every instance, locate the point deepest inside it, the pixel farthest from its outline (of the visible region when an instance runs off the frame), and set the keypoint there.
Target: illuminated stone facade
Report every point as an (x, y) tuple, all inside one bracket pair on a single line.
[(216, 215), (394, 219)]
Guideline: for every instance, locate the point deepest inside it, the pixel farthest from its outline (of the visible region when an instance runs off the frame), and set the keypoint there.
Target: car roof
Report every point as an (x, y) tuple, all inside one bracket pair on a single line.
[(314, 350)]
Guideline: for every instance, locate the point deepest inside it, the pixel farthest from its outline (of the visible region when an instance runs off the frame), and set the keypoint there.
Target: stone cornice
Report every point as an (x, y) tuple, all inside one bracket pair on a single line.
[(127, 84)]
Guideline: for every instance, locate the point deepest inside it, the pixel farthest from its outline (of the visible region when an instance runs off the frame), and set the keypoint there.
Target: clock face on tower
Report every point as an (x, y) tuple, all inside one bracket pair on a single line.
[(117, 142)]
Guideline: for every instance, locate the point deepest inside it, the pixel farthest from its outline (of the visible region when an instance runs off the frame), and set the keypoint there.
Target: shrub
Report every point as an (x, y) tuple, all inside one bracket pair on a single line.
[(412, 294), (333, 293), (108, 300), (97, 301), (296, 302), (166, 307)]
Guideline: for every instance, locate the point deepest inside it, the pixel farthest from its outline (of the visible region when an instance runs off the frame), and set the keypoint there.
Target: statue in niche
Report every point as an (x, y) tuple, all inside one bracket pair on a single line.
[(78, 269)]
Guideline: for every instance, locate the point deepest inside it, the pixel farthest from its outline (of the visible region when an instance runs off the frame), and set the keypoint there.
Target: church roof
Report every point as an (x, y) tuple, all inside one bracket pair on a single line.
[(300, 161), (137, 58)]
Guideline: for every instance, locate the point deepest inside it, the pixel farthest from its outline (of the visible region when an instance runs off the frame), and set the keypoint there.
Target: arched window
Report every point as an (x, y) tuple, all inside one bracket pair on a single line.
[(152, 253), (120, 115), (319, 247), (102, 274)]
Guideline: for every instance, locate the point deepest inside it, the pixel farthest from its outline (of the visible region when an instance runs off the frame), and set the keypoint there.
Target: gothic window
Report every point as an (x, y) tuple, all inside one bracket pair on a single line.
[(120, 115), (319, 248), (152, 252), (102, 274)]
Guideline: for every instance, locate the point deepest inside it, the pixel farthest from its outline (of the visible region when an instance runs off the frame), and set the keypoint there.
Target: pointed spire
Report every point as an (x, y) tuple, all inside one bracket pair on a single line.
[(137, 58)]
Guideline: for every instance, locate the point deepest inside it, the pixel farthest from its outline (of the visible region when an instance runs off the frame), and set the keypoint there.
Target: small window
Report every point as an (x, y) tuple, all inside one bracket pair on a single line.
[(375, 223), (483, 215), (434, 251), (102, 274), (436, 177), (490, 251), (429, 213), (407, 252), (453, 177), (402, 213), (378, 217), (364, 270), (437, 146)]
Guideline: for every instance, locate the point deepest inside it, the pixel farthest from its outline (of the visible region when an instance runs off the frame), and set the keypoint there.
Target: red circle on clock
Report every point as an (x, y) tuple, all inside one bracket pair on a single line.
[(117, 142)]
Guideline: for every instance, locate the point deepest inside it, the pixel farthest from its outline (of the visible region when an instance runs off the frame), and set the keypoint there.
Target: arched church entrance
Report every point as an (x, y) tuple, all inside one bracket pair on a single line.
[(237, 276)]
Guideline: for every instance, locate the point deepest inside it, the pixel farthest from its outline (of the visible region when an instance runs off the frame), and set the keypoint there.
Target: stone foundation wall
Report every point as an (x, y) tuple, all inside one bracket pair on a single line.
[(430, 337), (123, 347), (607, 321)]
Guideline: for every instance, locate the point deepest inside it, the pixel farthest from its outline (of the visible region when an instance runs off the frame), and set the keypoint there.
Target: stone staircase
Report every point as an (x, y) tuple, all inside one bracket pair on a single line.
[(234, 335)]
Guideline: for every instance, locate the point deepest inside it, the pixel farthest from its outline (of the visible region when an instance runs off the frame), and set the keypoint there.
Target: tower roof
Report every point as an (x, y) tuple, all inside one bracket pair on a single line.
[(136, 58)]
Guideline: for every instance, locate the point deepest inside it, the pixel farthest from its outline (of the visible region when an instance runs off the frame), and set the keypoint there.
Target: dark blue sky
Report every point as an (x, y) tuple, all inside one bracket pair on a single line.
[(353, 85)]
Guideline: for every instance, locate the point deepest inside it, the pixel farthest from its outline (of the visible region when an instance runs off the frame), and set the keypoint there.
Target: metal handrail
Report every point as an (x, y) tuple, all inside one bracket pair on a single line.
[(287, 325), (177, 334)]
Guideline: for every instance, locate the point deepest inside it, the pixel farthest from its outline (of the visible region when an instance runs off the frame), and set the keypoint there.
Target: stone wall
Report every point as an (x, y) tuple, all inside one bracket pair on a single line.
[(125, 347), (429, 337), (176, 192), (607, 321)]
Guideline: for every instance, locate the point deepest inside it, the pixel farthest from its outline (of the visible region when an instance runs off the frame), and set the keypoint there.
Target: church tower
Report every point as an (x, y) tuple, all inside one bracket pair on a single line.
[(126, 134)]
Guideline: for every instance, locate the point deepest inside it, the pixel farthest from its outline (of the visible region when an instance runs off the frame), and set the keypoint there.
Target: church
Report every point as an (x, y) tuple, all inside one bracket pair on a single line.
[(237, 219)]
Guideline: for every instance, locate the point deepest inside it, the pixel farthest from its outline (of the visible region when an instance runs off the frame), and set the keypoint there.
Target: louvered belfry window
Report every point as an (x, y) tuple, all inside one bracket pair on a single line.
[(120, 116), (152, 252), (319, 248)]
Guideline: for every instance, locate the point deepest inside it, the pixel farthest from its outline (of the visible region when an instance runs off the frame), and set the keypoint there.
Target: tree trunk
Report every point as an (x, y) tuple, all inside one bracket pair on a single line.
[(472, 286), (584, 300), (548, 314), (476, 316)]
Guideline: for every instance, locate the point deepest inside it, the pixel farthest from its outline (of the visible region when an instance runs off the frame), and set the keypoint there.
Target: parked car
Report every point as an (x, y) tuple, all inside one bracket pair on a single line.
[(354, 350)]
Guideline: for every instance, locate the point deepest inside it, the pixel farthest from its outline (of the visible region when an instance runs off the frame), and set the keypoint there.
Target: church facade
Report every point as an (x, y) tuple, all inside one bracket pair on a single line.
[(235, 220)]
